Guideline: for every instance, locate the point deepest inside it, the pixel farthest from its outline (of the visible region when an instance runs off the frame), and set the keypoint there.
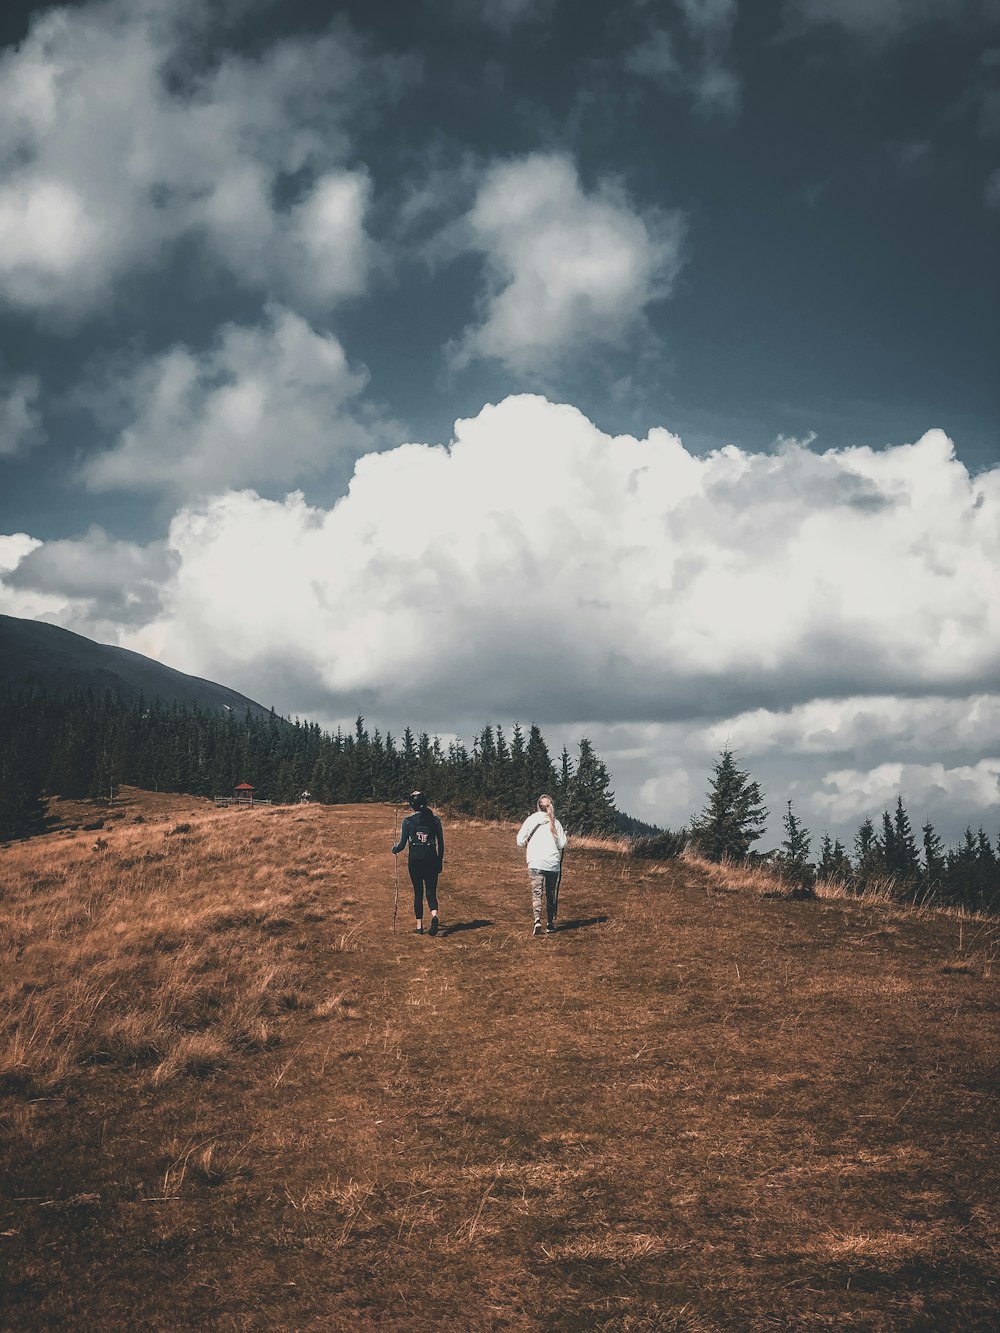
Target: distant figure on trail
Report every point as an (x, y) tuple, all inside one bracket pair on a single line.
[(544, 840), (423, 831)]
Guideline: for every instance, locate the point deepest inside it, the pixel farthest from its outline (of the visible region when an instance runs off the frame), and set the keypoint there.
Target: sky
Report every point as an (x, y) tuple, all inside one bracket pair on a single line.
[(629, 368)]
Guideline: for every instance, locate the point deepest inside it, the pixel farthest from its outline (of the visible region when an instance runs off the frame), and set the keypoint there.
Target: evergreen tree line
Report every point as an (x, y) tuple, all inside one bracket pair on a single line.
[(886, 858), (87, 745), (82, 744)]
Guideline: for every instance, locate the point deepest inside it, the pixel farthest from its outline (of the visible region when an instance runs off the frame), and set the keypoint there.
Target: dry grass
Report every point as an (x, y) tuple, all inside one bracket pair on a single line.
[(764, 881), (233, 1099)]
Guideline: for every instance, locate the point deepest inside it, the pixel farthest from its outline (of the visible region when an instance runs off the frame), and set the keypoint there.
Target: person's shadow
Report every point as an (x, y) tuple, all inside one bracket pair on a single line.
[(456, 926), (578, 923)]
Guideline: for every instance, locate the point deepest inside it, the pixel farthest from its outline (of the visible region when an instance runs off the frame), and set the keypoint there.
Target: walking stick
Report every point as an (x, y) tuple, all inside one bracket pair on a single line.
[(395, 868), (395, 896)]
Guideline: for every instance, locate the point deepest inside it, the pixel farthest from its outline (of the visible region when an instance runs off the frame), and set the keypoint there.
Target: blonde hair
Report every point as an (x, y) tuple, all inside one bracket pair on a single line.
[(546, 803)]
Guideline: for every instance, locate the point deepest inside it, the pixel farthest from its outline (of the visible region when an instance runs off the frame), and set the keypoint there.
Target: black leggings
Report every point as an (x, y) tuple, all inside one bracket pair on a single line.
[(423, 877)]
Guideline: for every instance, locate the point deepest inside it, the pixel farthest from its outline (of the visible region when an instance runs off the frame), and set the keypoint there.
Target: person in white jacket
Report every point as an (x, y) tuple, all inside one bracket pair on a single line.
[(544, 840)]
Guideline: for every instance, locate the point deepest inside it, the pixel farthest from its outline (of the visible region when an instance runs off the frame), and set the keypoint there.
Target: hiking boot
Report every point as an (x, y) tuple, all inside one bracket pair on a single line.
[(434, 925), (418, 930), (538, 928), (550, 928)]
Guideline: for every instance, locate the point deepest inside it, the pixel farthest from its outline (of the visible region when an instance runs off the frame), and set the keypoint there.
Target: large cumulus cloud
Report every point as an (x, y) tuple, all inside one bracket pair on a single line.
[(828, 614), (664, 585), (736, 574)]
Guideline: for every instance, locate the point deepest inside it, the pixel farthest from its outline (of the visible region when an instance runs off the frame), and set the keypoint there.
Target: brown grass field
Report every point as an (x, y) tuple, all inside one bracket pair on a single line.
[(233, 1099)]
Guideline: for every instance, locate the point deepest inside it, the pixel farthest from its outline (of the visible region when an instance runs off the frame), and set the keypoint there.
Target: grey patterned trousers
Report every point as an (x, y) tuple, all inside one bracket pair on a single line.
[(543, 882)]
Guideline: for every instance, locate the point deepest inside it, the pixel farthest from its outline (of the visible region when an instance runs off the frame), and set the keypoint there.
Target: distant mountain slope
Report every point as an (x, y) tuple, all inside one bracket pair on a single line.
[(54, 659)]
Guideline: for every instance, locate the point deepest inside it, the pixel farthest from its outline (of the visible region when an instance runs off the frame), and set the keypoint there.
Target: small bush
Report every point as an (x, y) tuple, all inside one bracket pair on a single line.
[(177, 828), (665, 846)]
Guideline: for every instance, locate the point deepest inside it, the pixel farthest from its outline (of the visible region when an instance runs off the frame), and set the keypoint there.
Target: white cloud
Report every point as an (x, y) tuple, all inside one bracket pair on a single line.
[(715, 87), (825, 613), (96, 584), (566, 270), (965, 793), (20, 419), (328, 253), (662, 585), (839, 759), (669, 790), (14, 547), (698, 63), (868, 725), (114, 144), (265, 405)]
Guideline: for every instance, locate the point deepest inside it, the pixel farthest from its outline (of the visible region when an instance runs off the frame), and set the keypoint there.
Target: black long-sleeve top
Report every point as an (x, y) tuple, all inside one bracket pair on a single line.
[(413, 826)]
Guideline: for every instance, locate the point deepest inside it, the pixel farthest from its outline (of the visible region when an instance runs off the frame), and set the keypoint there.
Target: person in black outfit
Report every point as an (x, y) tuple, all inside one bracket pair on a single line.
[(422, 830)]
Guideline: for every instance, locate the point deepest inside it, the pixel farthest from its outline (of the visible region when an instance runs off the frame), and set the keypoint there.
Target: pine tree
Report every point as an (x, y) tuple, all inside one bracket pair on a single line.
[(824, 866), (408, 760), (287, 786), (539, 774), (888, 844), (72, 763), (734, 816), (795, 850), (106, 777), (520, 796), (934, 857), (842, 872), (22, 803), (565, 777), (321, 782), (869, 856), (965, 883), (907, 862), (589, 805)]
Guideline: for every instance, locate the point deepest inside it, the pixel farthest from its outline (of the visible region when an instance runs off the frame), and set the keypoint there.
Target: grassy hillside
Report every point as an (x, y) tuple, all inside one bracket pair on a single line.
[(37, 655), (232, 1098)]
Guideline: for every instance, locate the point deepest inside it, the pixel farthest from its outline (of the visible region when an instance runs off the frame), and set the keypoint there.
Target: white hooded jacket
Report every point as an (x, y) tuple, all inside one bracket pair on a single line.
[(542, 851)]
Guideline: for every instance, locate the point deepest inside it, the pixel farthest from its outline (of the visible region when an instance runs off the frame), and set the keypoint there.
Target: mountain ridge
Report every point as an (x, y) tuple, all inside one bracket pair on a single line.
[(34, 653)]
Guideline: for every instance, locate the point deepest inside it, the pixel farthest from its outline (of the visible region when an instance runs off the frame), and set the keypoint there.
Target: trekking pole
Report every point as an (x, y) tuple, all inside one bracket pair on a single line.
[(395, 867), (395, 896)]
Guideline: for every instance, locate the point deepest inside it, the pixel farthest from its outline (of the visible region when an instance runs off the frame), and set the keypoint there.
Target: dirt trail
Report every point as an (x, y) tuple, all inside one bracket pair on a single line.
[(663, 1112), (687, 1110)]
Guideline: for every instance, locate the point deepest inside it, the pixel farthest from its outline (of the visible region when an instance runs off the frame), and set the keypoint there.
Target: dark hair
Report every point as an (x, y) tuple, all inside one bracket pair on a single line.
[(425, 815)]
